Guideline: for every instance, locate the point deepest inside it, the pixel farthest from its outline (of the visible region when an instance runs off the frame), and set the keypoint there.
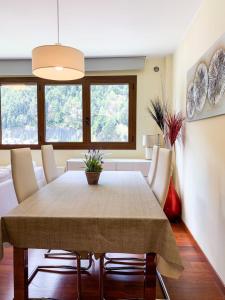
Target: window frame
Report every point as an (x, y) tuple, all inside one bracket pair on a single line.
[(86, 82)]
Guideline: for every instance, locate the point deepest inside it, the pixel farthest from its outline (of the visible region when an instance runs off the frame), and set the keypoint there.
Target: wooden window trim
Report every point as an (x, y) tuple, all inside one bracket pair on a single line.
[(131, 80)]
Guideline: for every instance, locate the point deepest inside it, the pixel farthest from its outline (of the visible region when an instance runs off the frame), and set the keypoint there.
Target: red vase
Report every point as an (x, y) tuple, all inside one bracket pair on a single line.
[(172, 207)]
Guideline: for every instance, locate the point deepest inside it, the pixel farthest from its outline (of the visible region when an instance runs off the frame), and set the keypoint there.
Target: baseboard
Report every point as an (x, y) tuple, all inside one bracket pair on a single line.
[(216, 275)]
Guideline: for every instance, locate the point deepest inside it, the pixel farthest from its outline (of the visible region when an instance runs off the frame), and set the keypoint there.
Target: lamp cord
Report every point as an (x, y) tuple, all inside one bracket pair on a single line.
[(58, 20)]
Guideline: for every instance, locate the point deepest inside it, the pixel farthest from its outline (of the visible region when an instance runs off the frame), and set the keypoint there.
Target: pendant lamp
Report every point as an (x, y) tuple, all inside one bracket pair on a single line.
[(57, 62)]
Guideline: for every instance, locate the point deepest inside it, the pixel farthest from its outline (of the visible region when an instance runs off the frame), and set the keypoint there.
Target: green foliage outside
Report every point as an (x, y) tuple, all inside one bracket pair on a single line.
[(19, 114), (109, 117), (63, 106)]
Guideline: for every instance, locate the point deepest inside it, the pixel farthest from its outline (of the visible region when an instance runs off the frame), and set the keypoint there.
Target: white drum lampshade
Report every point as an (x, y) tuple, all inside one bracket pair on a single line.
[(57, 62)]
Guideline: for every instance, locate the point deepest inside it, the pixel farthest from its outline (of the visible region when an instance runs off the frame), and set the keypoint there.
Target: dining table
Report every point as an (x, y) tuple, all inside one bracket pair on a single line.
[(119, 215)]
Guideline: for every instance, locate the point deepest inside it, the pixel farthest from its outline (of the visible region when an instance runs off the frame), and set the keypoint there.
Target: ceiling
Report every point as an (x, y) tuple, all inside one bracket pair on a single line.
[(100, 28)]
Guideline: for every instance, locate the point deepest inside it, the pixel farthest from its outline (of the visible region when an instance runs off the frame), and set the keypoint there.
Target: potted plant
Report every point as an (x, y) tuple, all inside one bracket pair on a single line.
[(93, 162), (171, 124)]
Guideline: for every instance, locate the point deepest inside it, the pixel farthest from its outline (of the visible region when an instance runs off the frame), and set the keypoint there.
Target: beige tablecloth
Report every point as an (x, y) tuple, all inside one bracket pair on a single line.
[(120, 215)]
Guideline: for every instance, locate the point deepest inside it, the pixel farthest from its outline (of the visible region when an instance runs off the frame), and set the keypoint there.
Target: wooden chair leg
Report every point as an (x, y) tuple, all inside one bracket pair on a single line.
[(101, 277), (79, 288), (150, 277), (20, 265)]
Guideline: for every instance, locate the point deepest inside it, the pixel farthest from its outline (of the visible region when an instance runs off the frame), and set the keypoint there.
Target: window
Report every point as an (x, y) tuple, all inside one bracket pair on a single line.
[(19, 114), (95, 112), (109, 113), (63, 113)]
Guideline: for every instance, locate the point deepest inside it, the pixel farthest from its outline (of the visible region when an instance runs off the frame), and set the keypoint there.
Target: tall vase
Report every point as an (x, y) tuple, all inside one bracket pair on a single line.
[(172, 207)]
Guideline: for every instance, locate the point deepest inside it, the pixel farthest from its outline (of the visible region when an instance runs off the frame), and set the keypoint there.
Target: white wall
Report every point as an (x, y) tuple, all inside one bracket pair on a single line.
[(201, 159), (148, 87)]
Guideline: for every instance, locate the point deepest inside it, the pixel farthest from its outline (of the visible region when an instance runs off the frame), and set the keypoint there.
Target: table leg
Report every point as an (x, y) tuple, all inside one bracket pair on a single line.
[(150, 277), (79, 289), (20, 265), (101, 277)]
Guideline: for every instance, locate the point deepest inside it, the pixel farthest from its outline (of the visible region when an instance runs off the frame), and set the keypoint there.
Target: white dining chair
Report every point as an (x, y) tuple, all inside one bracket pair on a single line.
[(51, 173), (25, 184), (152, 170), (24, 180), (49, 164), (160, 184), (160, 179)]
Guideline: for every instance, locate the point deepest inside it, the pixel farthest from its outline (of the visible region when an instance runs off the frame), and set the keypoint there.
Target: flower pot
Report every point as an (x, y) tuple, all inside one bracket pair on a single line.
[(172, 207), (92, 177)]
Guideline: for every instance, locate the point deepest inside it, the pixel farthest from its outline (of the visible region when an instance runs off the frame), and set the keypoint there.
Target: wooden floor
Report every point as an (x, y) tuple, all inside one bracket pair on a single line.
[(197, 282)]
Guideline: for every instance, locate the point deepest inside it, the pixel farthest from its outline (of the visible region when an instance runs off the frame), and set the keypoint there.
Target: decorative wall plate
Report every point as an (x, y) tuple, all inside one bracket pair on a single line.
[(200, 86), (216, 75), (190, 100)]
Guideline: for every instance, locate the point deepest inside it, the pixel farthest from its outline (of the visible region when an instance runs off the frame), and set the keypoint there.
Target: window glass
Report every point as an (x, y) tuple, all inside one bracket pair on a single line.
[(63, 113), (19, 114), (109, 112)]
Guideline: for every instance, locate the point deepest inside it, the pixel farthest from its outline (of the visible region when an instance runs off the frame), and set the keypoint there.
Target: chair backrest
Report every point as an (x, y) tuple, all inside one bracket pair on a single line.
[(161, 181), (49, 164), (152, 170), (23, 175)]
